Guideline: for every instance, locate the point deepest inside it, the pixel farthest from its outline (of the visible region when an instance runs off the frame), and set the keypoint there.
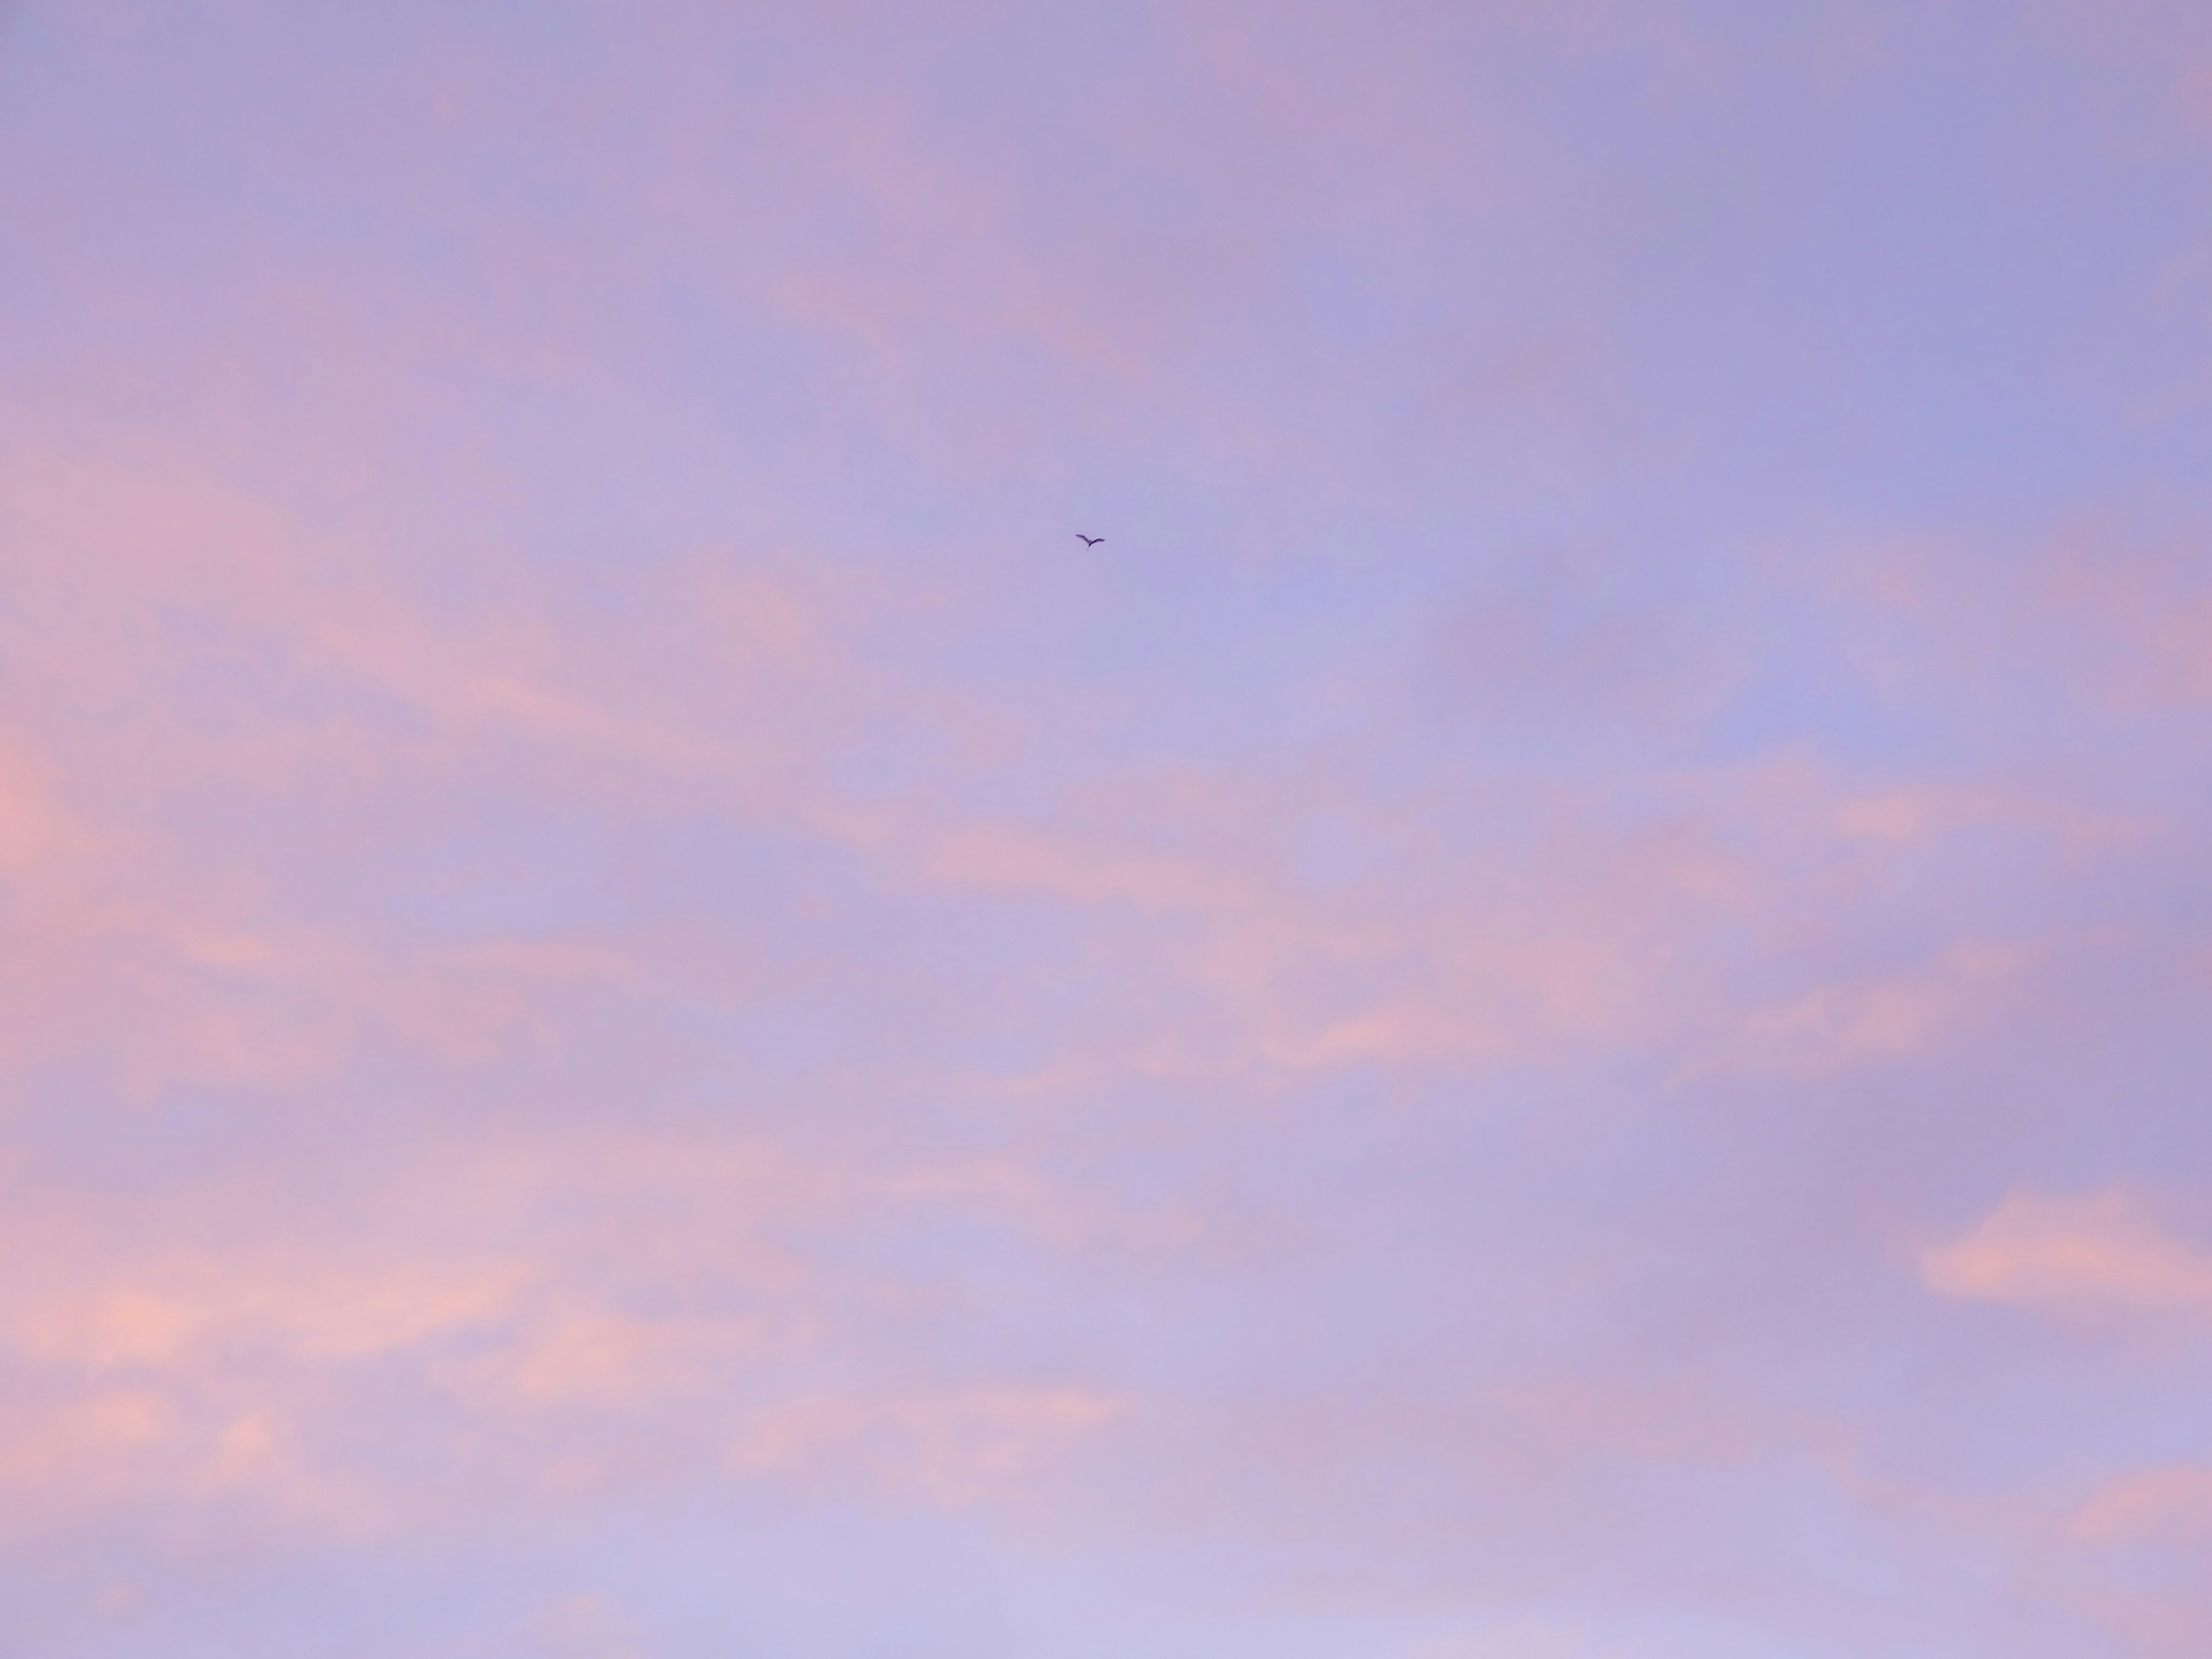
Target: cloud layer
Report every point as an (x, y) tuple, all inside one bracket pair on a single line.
[(1551, 1011)]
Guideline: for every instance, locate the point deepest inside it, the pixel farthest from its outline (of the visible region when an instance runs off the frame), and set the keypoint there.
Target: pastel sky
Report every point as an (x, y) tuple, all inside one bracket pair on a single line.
[(1559, 1007)]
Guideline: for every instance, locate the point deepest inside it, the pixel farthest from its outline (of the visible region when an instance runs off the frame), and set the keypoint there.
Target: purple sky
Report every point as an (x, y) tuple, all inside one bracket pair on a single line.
[(1556, 1009)]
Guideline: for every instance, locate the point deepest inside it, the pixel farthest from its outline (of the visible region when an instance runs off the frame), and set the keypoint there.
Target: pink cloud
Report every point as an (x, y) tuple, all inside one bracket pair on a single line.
[(511, 1291), (1887, 1019), (600, 930), (2166, 1502), (2100, 1248)]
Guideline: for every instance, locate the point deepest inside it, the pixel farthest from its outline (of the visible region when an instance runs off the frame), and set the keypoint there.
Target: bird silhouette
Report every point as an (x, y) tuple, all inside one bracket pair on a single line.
[(1089, 541)]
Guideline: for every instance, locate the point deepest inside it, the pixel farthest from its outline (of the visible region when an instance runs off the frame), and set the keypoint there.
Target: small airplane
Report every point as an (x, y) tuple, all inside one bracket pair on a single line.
[(1089, 541)]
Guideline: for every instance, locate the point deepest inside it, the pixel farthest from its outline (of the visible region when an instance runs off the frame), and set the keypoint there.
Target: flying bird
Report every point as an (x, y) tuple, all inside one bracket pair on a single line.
[(1089, 541)]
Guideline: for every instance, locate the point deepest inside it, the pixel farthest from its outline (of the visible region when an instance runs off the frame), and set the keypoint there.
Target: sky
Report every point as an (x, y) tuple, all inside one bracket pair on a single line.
[(1556, 1008)]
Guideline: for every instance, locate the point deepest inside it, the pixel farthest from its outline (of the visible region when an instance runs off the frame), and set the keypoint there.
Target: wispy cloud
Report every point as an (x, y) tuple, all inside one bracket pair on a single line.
[(618, 953)]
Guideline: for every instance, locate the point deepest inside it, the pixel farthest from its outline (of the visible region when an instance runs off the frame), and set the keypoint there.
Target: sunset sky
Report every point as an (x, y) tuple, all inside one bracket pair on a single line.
[(1559, 1007)]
